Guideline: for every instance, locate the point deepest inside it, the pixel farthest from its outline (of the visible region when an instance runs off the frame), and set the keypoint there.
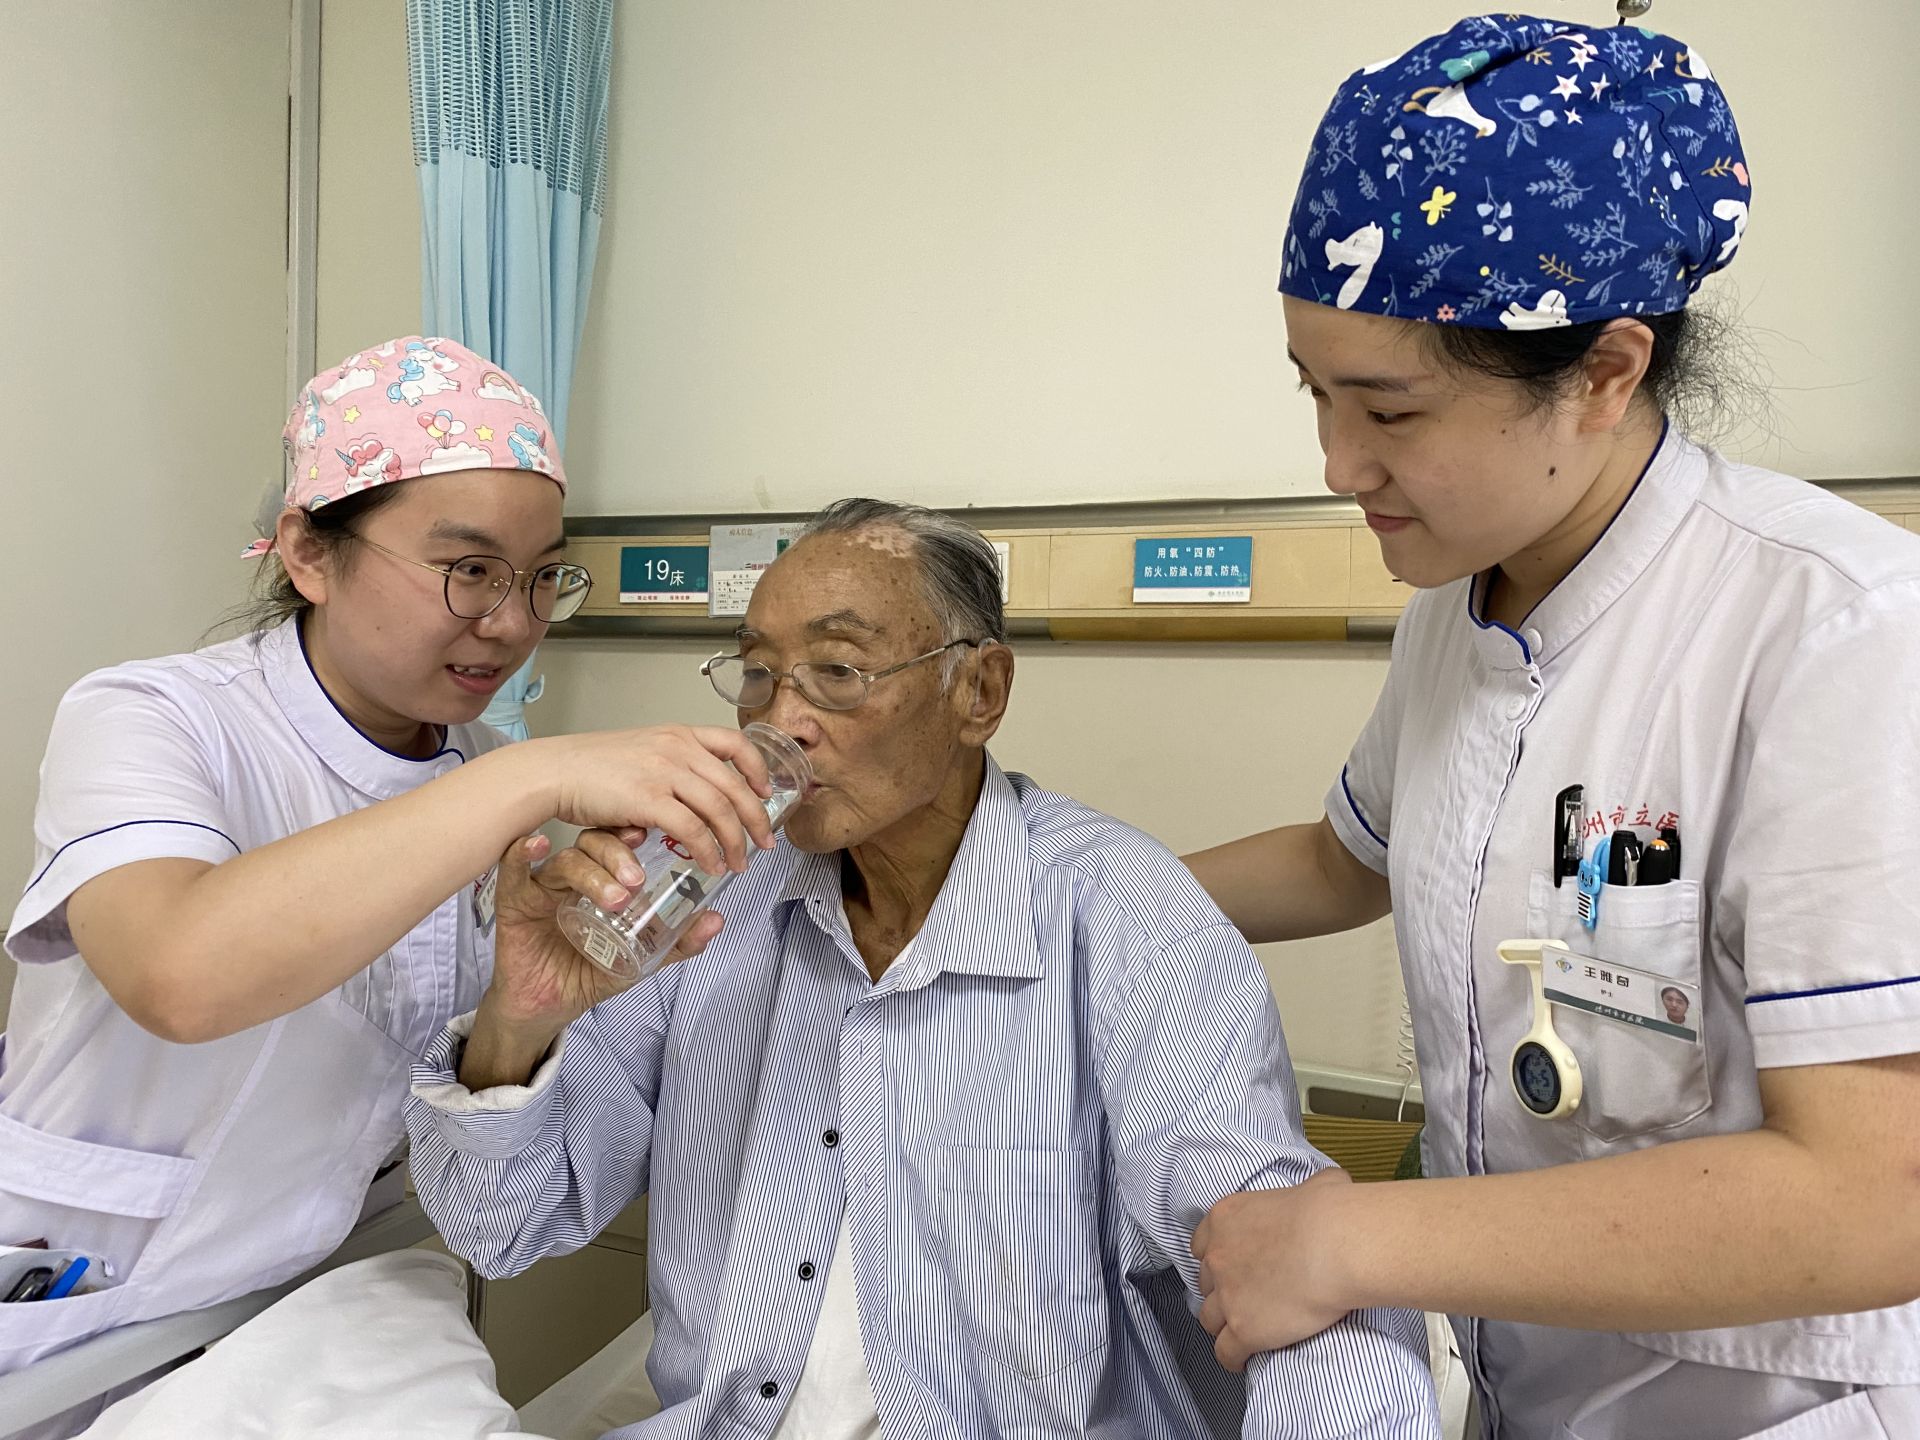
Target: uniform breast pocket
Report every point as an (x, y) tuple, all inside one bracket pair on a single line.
[(1636, 1082), (1021, 1232)]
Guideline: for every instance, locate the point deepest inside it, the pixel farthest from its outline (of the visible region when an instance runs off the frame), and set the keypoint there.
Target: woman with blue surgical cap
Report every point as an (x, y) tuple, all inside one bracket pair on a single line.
[(1642, 789)]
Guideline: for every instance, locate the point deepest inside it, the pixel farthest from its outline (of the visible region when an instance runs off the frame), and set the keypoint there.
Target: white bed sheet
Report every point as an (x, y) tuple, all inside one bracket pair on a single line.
[(382, 1348), (378, 1348), (609, 1391)]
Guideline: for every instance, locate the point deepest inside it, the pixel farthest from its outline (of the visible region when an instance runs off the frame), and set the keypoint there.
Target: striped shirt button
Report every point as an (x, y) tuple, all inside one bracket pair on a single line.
[(806, 1270), (830, 1139), (769, 1389)]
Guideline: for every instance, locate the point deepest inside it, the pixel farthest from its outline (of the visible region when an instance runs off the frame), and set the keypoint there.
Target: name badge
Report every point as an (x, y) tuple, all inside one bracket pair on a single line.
[(1615, 992), (483, 900)]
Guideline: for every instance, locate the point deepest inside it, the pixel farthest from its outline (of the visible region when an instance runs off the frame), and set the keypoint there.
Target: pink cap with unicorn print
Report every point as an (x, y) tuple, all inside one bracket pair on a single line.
[(410, 407)]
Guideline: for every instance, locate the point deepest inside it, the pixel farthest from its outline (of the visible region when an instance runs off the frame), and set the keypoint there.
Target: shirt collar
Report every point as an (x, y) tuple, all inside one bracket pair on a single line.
[(1659, 501), (981, 922), (371, 769)]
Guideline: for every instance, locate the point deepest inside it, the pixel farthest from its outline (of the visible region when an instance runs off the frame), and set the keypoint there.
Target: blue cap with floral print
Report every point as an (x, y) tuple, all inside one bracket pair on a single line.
[(1522, 173)]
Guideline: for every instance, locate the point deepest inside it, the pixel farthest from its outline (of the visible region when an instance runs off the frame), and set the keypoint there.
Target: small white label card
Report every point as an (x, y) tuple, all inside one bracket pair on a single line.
[(1632, 997)]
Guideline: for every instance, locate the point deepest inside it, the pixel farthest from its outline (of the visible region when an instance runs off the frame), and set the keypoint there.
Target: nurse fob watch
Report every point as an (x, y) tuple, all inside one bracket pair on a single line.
[(1545, 1072)]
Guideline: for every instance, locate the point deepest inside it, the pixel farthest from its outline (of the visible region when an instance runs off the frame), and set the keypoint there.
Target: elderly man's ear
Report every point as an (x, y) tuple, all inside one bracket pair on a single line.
[(983, 689)]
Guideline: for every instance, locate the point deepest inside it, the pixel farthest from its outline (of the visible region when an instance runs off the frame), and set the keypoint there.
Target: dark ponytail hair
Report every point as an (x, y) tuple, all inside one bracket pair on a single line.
[(275, 598), (1704, 372)]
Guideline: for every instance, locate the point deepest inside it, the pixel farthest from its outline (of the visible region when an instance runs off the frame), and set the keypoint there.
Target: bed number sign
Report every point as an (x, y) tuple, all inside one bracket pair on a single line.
[(663, 575)]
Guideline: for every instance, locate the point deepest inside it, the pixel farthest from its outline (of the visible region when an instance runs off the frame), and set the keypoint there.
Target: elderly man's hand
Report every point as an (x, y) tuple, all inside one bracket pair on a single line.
[(538, 977), (541, 984), (1268, 1272)]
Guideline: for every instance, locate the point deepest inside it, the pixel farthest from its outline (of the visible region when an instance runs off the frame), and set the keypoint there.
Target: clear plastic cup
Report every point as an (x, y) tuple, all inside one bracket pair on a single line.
[(632, 942)]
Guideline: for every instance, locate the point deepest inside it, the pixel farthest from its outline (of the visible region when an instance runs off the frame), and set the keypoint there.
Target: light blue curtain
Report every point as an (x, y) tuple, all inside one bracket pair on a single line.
[(510, 142)]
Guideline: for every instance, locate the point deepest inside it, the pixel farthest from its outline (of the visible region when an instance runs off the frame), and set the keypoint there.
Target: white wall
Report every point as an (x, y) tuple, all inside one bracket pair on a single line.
[(1016, 253), (142, 296), (368, 272)]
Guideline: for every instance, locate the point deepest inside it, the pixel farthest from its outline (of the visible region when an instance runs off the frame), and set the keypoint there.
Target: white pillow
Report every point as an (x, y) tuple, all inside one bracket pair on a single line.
[(378, 1348)]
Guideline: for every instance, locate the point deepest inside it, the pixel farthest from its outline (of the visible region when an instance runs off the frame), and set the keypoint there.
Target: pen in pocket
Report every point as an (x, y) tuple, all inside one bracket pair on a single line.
[(64, 1282), (31, 1286), (1567, 816)]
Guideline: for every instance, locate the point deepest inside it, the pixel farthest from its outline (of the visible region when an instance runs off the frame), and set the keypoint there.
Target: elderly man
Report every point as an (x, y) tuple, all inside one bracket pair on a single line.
[(927, 1129)]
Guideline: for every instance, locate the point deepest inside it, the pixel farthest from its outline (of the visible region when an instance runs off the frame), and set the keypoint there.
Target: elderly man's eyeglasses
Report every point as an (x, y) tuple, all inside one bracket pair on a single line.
[(829, 684), (476, 585)]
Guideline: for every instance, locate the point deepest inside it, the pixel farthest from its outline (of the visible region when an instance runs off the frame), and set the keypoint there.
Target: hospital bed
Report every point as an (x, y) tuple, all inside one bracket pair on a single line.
[(413, 1309), (383, 1348)]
